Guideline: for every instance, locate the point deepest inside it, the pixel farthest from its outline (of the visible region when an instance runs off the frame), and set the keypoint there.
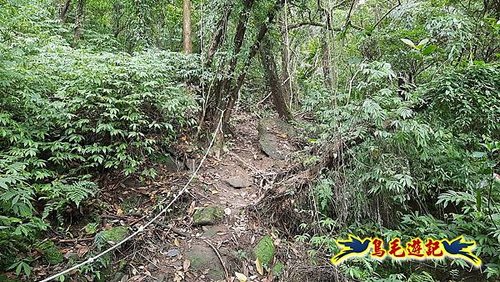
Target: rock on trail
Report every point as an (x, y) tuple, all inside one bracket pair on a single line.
[(273, 138), (239, 182)]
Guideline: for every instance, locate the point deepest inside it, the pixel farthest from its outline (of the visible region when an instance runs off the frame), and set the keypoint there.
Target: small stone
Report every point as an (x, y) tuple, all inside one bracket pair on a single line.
[(207, 216), (239, 182), (172, 253)]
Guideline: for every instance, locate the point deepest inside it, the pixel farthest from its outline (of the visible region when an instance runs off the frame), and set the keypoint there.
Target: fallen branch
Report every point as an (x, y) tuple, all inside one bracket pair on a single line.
[(220, 258), (74, 240)]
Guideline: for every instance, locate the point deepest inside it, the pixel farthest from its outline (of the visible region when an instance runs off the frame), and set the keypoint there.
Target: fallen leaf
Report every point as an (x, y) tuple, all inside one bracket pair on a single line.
[(258, 264), (176, 242), (119, 212), (179, 276), (82, 251), (241, 277), (191, 208), (186, 265)]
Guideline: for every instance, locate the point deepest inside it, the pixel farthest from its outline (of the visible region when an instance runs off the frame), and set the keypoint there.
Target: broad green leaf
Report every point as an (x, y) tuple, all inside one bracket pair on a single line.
[(427, 50)]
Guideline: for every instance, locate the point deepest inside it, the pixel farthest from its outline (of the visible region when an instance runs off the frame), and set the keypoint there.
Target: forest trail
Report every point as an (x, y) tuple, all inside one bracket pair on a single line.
[(214, 236)]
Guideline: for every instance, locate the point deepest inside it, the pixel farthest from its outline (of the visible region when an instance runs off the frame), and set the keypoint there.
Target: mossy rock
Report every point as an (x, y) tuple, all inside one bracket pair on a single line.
[(114, 234), (50, 252), (203, 258), (170, 163), (207, 216), (265, 250)]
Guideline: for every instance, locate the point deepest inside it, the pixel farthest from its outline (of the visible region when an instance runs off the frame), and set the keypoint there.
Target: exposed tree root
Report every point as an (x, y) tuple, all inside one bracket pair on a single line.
[(289, 203)]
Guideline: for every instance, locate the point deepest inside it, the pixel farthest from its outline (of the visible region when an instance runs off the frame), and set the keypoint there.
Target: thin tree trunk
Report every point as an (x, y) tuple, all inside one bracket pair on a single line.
[(117, 16), (285, 65), (277, 89), (64, 9), (186, 27), (325, 62), (233, 93), (219, 34), (79, 20), (223, 86)]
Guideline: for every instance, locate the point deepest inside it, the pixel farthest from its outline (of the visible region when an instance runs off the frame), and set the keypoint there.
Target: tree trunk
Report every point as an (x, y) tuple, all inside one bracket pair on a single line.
[(285, 66), (222, 87), (325, 62), (79, 20), (219, 34), (64, 9), (117, 16), (277, 89), (233, 93), (186, 27)]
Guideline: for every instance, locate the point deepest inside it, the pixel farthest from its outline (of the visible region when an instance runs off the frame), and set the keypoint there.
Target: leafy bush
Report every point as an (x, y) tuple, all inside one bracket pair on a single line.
[(424, 166), (67, 114), (467, 100)]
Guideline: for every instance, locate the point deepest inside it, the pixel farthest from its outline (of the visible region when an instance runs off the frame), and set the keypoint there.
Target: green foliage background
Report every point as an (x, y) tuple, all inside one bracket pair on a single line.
[(427, 161), (413, 91), (69, 114)]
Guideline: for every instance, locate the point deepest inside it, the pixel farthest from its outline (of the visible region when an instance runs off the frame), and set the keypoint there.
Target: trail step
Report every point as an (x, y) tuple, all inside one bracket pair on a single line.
[(239, 182)]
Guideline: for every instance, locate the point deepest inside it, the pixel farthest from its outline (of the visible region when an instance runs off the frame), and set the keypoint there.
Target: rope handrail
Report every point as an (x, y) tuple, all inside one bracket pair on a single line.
[(143, 227)]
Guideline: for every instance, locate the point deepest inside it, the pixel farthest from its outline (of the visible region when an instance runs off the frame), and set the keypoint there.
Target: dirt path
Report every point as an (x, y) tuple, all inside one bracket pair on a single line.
[(215, 235)]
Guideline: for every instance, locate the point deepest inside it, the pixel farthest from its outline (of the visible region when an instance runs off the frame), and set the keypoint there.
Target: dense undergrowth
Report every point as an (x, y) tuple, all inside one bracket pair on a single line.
[(411, 88), (421, 157), (416, 173), (68, 115)]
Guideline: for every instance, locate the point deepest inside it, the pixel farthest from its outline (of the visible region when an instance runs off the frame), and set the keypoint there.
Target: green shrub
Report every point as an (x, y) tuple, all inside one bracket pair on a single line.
[(424, 166), (69, 114)]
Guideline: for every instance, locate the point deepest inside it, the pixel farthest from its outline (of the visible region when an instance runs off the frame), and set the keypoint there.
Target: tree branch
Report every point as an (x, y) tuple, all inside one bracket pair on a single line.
[(301, 24), (386, 14)]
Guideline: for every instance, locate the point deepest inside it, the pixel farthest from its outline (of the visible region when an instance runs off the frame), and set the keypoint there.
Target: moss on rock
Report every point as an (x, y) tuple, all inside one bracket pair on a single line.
[(264, 250), (208, 216), (115, 234), (278, 269), (203, 259)]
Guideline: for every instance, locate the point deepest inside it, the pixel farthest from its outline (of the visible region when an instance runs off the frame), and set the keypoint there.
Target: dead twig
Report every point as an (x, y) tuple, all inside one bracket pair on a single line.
[(137, 220), (219, 256), (173, 229), (74, 240)]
